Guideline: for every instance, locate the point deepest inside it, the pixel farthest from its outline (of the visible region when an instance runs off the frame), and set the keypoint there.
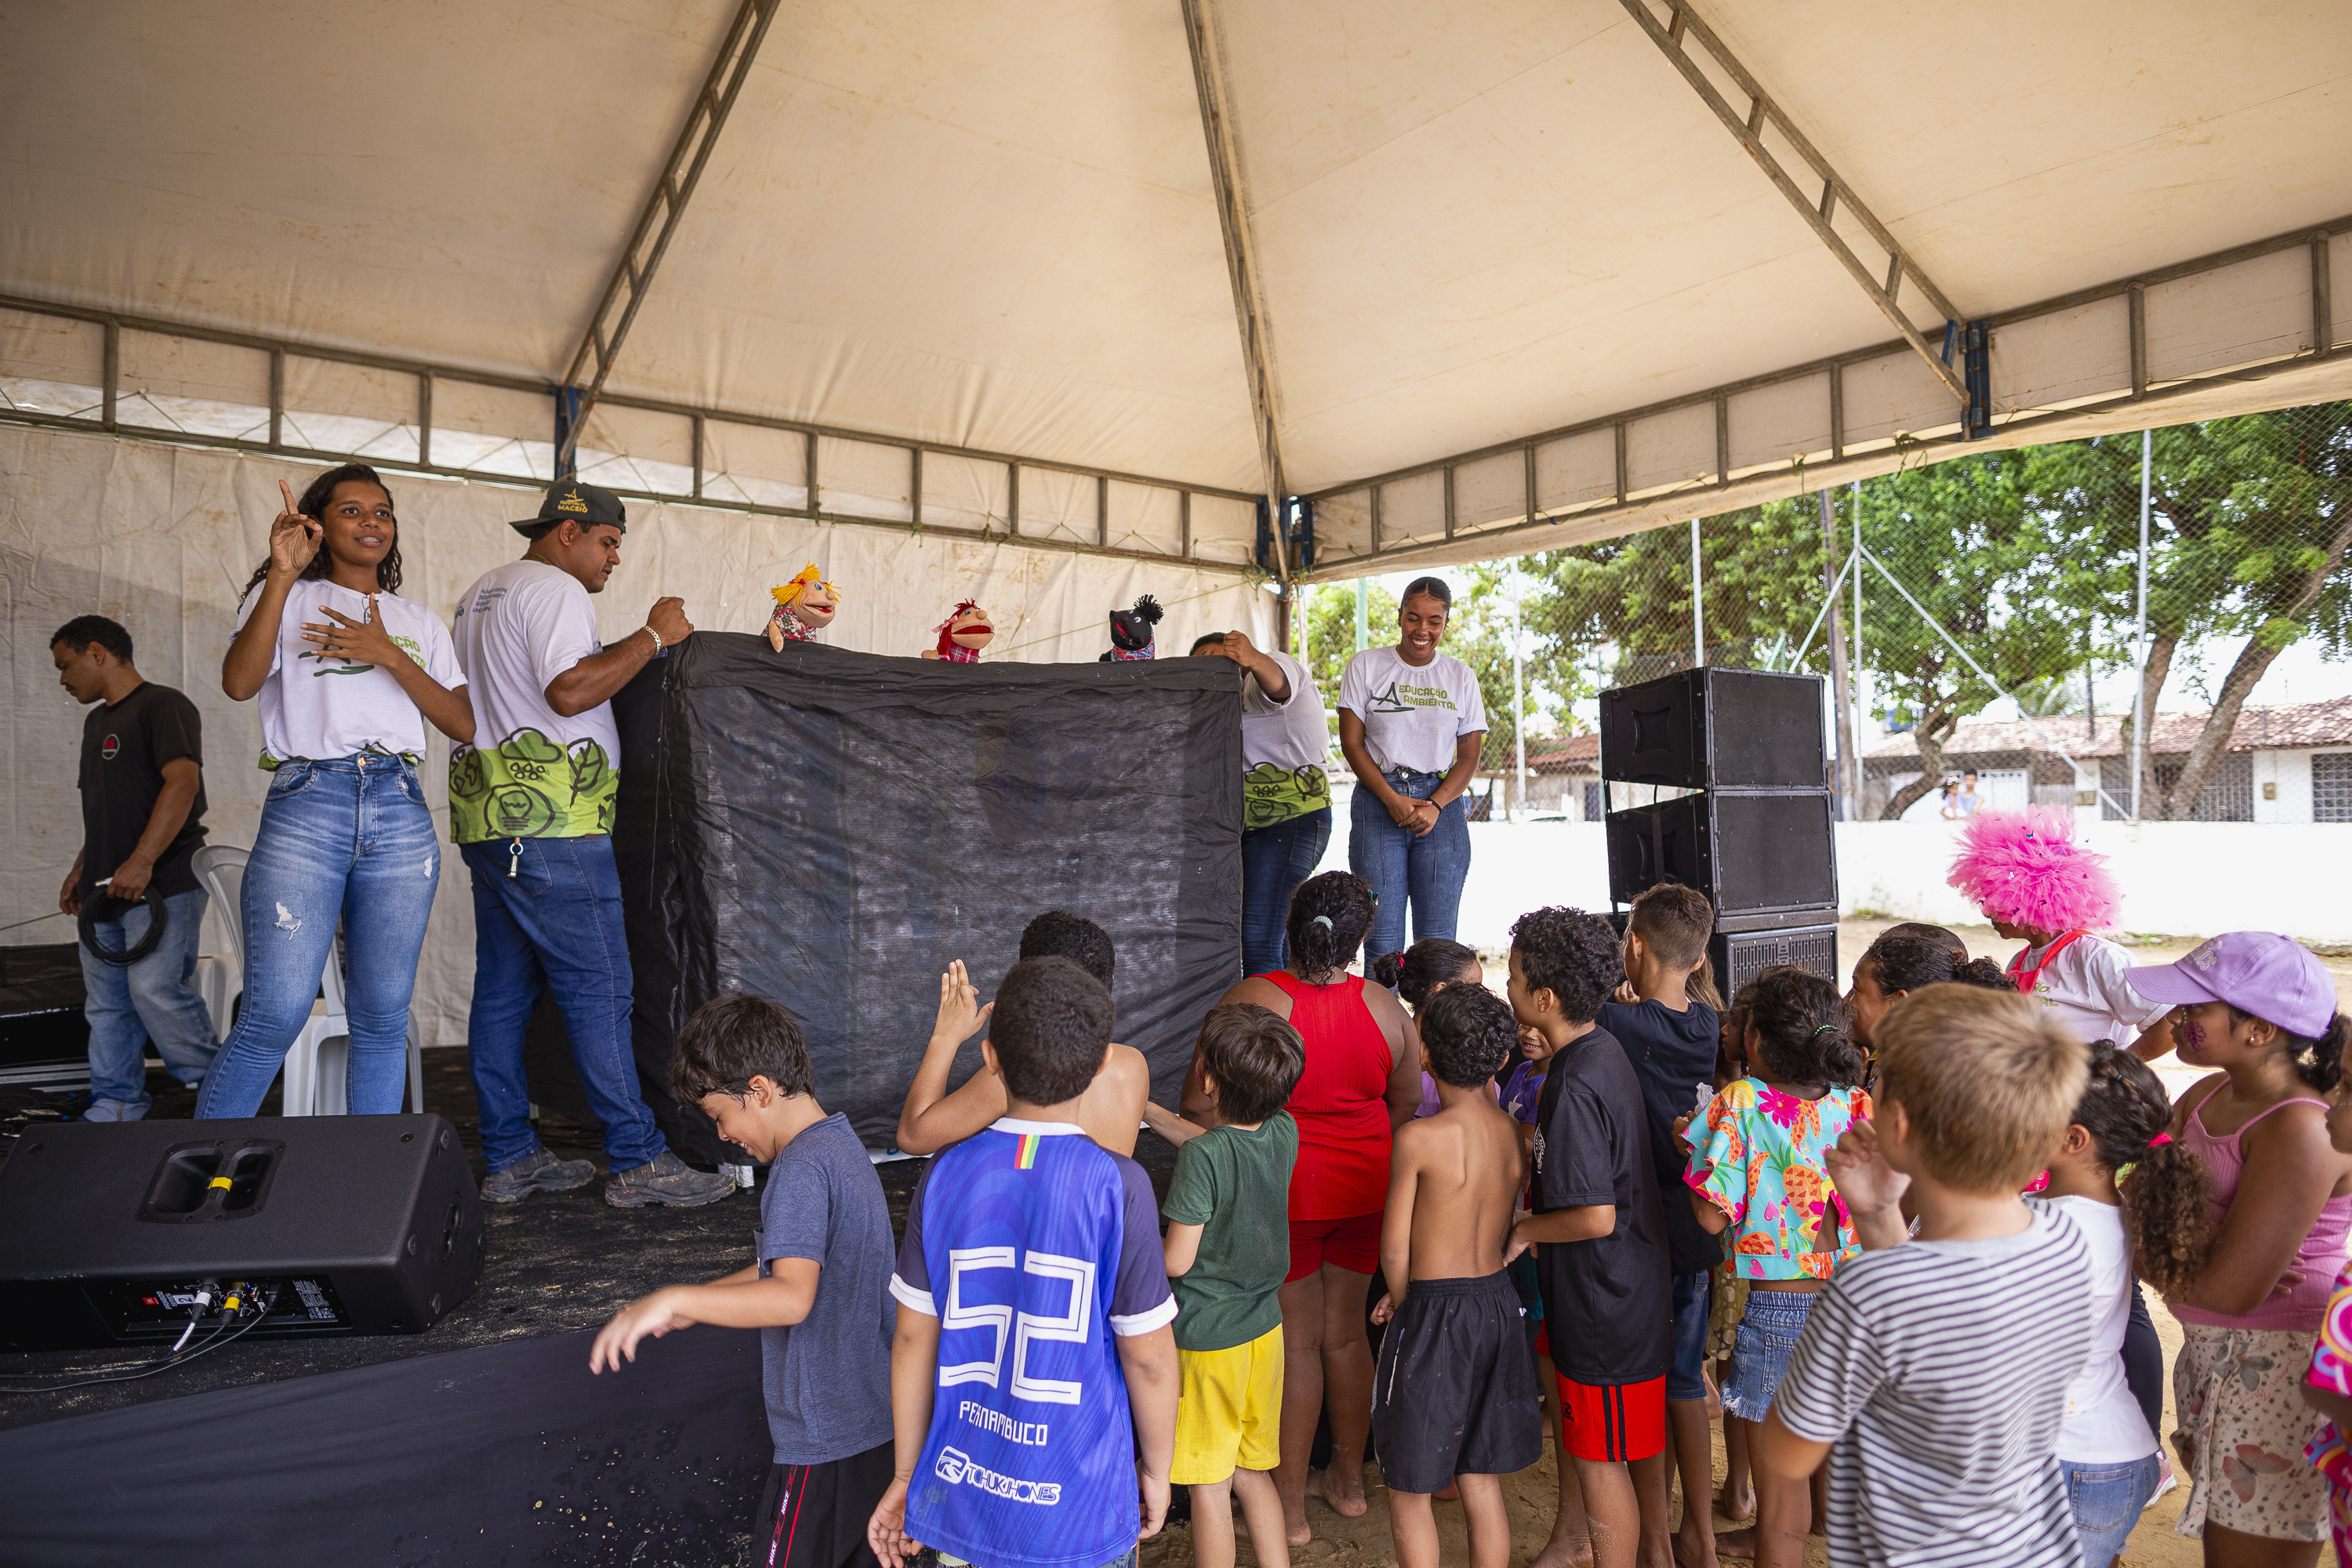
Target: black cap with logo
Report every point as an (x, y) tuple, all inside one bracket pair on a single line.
[(585, 504)]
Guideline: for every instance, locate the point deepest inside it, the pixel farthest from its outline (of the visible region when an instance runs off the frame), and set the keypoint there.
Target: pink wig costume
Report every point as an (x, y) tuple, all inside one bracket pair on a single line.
[(2024, 869)]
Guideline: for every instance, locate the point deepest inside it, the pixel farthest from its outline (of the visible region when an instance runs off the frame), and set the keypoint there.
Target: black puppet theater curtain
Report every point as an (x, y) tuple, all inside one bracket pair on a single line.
[(827, 829)]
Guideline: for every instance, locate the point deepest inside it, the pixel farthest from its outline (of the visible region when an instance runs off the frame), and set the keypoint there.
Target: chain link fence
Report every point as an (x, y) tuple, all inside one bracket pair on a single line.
[(2118, 673)]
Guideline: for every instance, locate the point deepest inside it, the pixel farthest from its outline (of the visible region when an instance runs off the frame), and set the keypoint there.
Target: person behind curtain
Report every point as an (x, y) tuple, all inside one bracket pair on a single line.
[(1286, 794), (348, 674), (1410, 721)]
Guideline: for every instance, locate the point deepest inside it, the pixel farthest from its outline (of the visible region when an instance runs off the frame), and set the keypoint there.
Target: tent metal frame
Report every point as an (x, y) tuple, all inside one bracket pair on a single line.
[(115, 323), (1841, 462), (1249, 300), (1763, 112), (633, 277)]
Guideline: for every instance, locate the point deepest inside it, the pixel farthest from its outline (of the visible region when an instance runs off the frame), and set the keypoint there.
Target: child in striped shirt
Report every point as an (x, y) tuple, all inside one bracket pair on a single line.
[(1932, 1372)]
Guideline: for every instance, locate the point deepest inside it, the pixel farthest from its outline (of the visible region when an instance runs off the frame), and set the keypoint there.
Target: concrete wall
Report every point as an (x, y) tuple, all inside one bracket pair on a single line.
[(2181, 878)]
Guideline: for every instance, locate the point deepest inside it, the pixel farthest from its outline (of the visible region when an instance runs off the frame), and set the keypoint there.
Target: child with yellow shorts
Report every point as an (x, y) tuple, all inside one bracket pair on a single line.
[(1228, 1248)]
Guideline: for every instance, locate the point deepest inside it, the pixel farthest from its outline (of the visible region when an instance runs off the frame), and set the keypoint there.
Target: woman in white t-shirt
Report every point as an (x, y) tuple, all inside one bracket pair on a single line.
[(348, 674), (2106, 1446), (1411, 721)]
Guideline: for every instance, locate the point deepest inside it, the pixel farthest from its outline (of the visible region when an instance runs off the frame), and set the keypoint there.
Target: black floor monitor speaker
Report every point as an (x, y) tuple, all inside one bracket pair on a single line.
[(346, 1225), (1740, 956), (1750, 851), (1715, 729)]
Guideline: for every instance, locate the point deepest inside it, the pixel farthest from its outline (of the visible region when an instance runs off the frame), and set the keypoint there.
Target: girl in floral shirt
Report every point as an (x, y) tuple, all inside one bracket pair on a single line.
[(1758, 1174)]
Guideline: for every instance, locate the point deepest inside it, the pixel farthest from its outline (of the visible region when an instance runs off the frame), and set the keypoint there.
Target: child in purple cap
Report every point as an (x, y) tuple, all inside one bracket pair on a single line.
[(2262, 1010)]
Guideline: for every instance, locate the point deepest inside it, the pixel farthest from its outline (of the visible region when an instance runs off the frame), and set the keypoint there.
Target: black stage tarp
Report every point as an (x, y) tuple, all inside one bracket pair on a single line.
[(828, 829), (504, 1453)]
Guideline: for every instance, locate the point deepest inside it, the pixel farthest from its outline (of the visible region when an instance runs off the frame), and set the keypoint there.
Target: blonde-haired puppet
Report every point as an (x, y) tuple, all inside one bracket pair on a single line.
[(963, 635), (805, 606)]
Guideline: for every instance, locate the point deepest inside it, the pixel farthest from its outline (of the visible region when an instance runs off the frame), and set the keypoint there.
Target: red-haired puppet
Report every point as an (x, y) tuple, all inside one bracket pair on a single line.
[(963, 635), (2036, 884), (805, 606)]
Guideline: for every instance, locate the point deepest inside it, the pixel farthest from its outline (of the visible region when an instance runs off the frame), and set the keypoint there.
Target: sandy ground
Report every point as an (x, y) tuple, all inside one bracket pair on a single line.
[(1531, 1494)]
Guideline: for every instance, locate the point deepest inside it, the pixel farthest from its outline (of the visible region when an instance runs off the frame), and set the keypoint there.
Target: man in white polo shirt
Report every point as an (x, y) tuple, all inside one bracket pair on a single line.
[(530, 805)]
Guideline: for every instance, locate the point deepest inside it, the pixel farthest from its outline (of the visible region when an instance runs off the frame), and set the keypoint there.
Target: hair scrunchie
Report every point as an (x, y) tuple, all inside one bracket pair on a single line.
[(1824, 1029), (1323, 921), (2160, 1140)]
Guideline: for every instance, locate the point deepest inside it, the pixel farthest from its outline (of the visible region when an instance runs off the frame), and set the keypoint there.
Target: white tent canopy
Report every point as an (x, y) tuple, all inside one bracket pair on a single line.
[(1514, 228)]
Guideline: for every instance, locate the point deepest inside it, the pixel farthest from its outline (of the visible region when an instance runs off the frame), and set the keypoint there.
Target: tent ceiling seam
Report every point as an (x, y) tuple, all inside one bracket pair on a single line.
[(1233, 219), (1763, 112), (705, 119)]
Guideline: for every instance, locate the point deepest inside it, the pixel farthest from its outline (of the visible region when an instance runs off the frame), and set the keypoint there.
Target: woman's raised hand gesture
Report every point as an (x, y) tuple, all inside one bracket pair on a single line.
[(293, 539)]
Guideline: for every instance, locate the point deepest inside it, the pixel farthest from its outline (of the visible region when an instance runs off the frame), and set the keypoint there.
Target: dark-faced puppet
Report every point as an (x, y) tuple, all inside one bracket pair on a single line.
[(1130, 630)]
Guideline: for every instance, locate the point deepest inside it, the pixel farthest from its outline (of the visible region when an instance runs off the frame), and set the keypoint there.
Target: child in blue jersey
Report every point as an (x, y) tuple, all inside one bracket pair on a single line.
[(1034, 1353)]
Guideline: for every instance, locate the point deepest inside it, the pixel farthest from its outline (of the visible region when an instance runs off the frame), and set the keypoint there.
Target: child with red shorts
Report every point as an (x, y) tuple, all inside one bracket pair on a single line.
[(1599, 1234)]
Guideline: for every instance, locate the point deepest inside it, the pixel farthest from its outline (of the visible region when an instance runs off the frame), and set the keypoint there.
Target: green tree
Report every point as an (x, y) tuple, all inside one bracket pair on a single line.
[(1965, 537), (2249, 517)]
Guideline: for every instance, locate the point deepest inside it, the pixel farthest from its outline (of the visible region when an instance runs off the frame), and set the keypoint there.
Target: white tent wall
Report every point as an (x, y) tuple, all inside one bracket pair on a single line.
[(162, 537)]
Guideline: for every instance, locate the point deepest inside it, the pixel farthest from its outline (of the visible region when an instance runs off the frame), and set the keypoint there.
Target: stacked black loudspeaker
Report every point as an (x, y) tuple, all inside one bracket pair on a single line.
[(1756, 838)]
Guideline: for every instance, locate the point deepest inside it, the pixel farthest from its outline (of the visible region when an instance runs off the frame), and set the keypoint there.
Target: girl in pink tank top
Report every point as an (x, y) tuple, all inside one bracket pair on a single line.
[(2262, 1010)]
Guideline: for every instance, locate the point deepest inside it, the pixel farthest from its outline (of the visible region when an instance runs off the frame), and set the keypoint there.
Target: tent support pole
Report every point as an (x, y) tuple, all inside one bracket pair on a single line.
[(617, 310), (1249, 304), (1748, 129), (2139, 636)]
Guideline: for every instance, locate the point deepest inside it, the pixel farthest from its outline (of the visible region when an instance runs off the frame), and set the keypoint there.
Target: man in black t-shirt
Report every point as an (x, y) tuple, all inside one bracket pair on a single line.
[(1600, 1262), (143, 808)]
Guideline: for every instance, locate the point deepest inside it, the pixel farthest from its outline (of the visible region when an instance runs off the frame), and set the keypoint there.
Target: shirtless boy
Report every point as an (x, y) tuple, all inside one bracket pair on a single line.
[(1454, 1395), (1111, 1110)]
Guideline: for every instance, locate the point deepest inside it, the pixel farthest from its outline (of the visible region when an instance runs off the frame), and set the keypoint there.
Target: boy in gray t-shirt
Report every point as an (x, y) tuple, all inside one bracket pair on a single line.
[(818, 1289)]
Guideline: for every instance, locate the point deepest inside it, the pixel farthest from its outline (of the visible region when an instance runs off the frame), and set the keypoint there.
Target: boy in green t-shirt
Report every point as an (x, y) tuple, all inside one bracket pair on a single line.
[(1228, 1248)]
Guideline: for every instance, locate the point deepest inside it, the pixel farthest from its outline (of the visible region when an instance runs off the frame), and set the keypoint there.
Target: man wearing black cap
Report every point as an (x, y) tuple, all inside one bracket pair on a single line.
[(530, 805)]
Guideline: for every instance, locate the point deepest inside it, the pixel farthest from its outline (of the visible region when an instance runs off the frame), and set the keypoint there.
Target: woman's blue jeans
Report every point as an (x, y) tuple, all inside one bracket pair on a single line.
[(346, 841), (1274, 860), (1426, 872)]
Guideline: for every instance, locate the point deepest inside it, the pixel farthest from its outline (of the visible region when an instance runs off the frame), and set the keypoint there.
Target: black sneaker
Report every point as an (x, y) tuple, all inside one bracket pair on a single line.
[(537, 1172), (667, 1180)]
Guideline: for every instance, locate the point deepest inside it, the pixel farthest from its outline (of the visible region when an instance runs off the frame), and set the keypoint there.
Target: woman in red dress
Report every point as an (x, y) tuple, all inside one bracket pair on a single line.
[(1362, 1079)]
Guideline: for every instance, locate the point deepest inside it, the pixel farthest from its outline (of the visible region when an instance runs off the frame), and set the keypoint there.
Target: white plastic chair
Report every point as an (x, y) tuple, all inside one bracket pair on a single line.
[(318, 1063)]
